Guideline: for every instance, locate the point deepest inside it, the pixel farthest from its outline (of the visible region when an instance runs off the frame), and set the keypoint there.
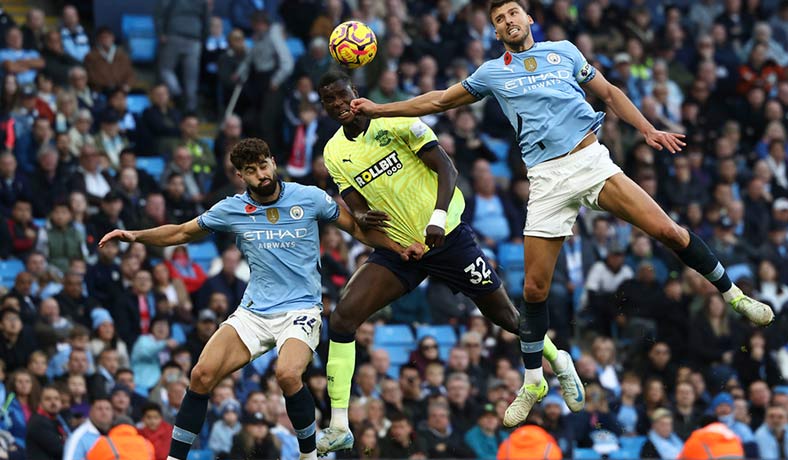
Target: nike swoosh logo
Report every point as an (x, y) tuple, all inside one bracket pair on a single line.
[(579, 397)]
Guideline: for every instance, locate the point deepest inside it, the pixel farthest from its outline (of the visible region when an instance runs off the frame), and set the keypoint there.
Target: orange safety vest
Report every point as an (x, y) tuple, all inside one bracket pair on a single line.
[(531, 442), (714, 441), (122, 443)]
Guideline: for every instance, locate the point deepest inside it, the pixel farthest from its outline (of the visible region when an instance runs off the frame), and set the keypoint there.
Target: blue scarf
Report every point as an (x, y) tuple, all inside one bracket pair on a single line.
[(668, 448)]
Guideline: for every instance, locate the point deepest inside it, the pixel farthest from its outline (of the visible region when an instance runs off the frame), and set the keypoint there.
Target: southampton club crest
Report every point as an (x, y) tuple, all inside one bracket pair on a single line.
[(383, 138)]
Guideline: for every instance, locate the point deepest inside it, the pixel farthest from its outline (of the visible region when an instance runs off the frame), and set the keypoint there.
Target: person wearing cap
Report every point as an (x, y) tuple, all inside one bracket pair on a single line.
[(122, 442), (662, 441), (722, 408), (202, 332), (485, 437), (105, 336), (255, 439), (223, 430)]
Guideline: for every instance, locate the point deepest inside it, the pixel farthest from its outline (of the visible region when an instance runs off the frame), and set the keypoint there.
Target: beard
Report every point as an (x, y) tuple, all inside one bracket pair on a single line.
[(265, 190), (516, 45)]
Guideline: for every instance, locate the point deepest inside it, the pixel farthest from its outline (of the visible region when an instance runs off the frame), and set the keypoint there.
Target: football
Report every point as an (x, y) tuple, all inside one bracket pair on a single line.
[(353, 44)]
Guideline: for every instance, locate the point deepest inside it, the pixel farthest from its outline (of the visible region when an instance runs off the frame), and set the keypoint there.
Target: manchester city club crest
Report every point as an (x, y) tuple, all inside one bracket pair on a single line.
[(383, 138), (272, 214), (530, 64), (296, 212), (553, 58)]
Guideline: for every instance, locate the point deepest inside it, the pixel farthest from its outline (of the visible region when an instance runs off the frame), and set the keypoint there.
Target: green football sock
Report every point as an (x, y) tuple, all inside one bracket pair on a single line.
[(339, 370), (550, 351)]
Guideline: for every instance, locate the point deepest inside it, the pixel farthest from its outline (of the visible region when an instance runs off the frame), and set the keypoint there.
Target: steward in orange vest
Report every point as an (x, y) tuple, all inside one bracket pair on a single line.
[(122, 443)]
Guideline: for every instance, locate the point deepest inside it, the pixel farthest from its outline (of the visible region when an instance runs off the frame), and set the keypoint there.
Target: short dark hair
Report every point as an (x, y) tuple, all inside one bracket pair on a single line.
[(9, 311), (331, 77), (398, 416), (150, 406), (498, 3), (249, 151)]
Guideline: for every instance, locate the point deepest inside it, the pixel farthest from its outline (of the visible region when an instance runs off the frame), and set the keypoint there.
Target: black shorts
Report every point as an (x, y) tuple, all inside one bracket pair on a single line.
[(460, 263)]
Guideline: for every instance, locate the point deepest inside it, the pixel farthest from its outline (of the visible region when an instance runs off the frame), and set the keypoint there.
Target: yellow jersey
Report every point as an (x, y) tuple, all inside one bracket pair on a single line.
[(383, 165)]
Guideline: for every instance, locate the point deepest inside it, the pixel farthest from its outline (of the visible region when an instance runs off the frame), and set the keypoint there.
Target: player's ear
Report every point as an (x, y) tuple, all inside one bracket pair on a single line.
[(530, 19), (354, 91)]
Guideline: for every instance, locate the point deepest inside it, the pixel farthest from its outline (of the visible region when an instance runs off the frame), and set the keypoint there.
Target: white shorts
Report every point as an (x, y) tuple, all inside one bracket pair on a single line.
[(559, 187), (261, 333)]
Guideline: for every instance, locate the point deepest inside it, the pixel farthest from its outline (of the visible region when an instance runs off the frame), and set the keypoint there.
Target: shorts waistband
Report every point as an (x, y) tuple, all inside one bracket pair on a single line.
[(561, 161)]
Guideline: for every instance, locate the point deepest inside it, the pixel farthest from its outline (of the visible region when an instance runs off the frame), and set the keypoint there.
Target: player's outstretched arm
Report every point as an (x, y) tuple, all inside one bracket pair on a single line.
[(438, 160), (165, 235), (626, 110), (432, 102), (376, 238)]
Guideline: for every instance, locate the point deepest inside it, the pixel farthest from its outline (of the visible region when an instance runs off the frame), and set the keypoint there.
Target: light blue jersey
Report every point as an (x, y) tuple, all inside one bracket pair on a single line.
[(281, 243), (539, 91)]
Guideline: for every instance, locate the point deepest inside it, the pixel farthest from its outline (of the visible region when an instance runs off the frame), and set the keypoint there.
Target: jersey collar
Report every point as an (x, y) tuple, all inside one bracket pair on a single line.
[(248, 196)]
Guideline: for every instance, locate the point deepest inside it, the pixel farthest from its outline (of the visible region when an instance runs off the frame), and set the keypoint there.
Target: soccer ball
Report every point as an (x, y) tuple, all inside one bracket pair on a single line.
[(353, 44)]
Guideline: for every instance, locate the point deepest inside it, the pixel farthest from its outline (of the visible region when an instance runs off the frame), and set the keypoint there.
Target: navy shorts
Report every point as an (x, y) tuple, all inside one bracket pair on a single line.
[(460, 263)]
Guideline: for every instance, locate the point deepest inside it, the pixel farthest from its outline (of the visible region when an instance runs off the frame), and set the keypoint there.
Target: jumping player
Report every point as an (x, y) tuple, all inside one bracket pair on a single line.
[(275, 224), (538, 88), (393, 175)]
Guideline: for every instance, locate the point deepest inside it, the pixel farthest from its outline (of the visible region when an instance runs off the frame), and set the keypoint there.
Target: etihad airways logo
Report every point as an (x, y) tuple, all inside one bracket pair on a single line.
[(542, 80), (388, 165), (275, 234)]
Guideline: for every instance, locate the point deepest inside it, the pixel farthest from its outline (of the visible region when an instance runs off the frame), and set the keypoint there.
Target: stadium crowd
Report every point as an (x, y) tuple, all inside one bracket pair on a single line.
[(95, 340)]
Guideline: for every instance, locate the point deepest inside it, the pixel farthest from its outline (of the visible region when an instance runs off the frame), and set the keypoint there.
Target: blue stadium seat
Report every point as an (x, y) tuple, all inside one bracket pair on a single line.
[(137, 25), (227, 26), (511, 259), (142, 50), (152, 165), (444, 351), (137, 103), (393, 371), (203, 253), (500, 148), (202, 454), (625, 454), (208, 141), (632, 443), (586, 454), (444, 335), (393, 334), (40, 221), (8, 271), (296, 47), (398, 354)]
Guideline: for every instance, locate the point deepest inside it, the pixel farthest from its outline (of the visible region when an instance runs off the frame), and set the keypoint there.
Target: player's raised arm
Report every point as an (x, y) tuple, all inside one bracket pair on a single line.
[(432, 102), (626, 110), (376, 238), (165, 235)]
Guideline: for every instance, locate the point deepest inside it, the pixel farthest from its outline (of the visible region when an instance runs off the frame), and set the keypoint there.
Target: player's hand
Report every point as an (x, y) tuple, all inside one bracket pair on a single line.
[(364, 106), (435, 236), (413, 252), (372, 219), (662, 139), (122, 235)]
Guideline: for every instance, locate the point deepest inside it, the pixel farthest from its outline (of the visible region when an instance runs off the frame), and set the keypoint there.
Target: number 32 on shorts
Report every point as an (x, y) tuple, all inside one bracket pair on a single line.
[(479, 272)]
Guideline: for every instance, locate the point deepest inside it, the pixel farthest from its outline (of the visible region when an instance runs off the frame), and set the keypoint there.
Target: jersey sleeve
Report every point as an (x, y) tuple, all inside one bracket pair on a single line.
[(415, 133), (583, 71), (217, 219), (477, 83), (335, 171), (326, 209)]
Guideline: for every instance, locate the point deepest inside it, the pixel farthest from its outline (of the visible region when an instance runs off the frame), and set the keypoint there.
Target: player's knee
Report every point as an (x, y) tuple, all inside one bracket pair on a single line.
[(535, 290), (289, 379), (202, 378), (673, 236)]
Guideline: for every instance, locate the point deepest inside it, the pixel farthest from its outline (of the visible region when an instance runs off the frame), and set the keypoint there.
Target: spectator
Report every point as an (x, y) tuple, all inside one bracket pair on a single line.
[(490, 212), (401, 441), (105, 337), (103, 278), (100, 384), (159, 125), (181, 27), (24, 63), (529, 441), (121, 442), (753, 363), (108, 66), (662, 441), (74, 357), (57, 63), (75, 40), (595, 420), (107, 219), (14, 184), (196, 340), (60, 241), (135, 311), (715, 334), (442, 440), (685, 411), (722, 407), (47, 431), (156, 430), (713, 440), (630, 413), (183, 268), (228, 64), (117, 106), (602, 281), (771, 435), (556, 424), (265, 69), (51, 329), (34, 29), (225, 281), (91, 178), (213, 47), (486, 436), (180, 206), (255, 439), (410, 384), (223, 430), (47, 176), (78, 81), (146, 354), (26, 394), (17, 341)]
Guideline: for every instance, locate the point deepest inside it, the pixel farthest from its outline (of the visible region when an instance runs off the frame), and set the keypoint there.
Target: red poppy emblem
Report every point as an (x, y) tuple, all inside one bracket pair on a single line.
[(250, 208), (507, 58)]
